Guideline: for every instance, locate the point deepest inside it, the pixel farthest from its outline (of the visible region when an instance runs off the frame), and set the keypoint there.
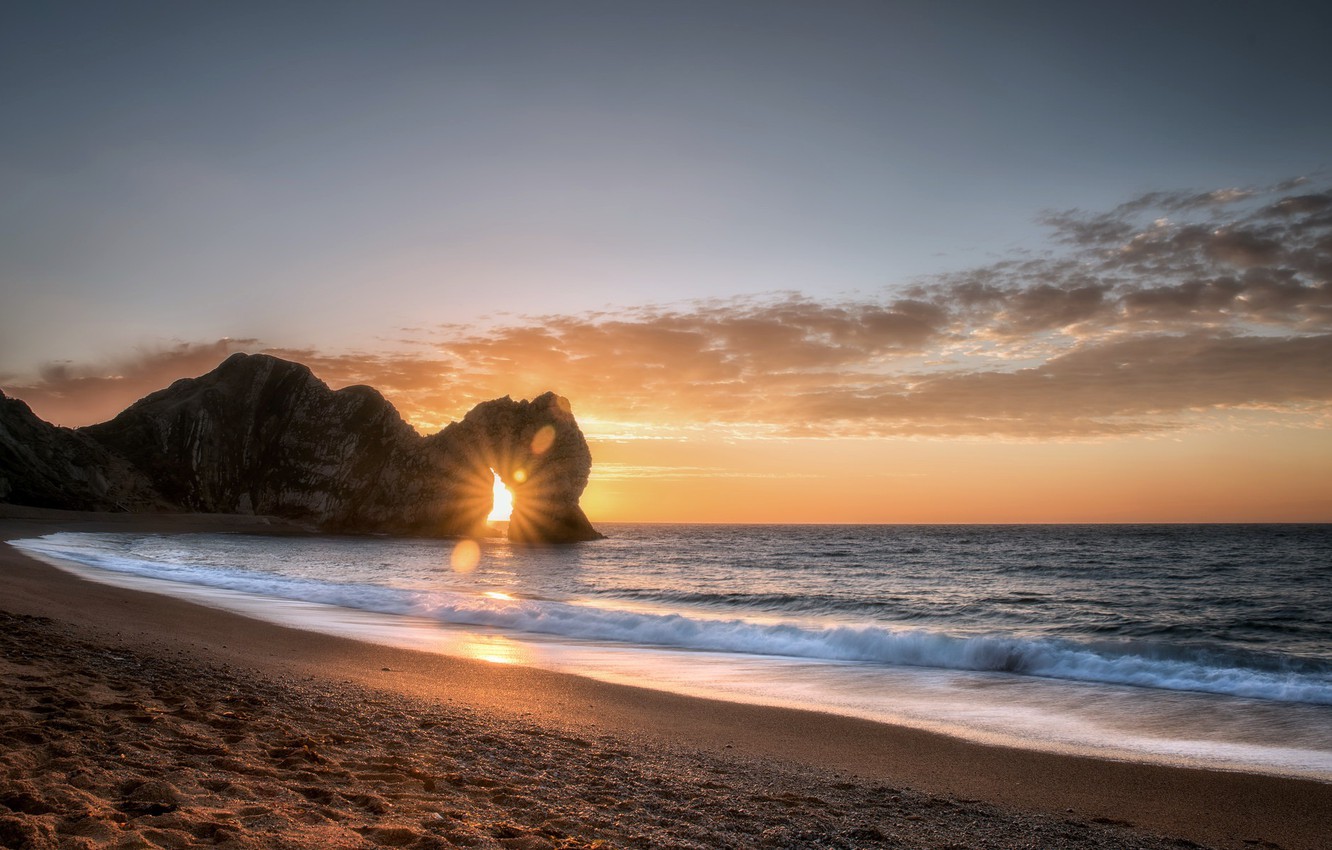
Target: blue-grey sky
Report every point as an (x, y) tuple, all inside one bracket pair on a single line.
[(323, 175)]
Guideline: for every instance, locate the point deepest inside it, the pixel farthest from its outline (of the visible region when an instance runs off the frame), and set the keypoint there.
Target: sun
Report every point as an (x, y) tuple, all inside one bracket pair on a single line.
[(502, 507)]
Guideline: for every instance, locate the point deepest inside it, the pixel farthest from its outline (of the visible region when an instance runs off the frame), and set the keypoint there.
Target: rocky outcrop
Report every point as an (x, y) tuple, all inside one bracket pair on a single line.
[(50, 467), (264, 435), (538, 451), (261, 435)]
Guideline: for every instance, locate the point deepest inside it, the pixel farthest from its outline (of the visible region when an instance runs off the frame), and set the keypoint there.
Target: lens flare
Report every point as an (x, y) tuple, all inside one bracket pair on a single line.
[(466, 555), (543, 439)]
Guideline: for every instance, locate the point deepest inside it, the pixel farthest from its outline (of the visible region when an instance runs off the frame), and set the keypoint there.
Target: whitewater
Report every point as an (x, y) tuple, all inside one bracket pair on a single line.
[(1198, 645)]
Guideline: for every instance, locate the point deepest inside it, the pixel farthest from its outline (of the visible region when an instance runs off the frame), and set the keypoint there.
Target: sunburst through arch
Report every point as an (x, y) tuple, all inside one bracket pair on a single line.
[(501, 508)]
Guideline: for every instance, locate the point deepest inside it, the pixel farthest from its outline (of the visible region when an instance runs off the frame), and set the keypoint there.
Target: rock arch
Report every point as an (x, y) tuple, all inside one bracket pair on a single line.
[(262, 435), (540, 454)]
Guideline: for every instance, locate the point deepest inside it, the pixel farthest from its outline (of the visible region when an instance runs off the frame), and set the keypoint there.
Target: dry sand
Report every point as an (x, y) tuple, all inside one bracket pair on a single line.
[(134, 720)]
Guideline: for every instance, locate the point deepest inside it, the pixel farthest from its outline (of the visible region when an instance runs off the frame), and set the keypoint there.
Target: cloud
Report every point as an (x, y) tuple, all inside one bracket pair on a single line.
[(1235, 257), (423, 388), (624, 471), (80, 394), (1167, 308), (1136, 385)]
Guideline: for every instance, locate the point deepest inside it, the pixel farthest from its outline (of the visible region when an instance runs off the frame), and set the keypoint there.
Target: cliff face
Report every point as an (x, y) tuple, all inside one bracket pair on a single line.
[(49, 467), (263, 435)]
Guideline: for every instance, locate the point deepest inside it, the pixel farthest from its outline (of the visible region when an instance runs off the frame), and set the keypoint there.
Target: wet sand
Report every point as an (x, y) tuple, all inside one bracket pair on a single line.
[(129, 719)]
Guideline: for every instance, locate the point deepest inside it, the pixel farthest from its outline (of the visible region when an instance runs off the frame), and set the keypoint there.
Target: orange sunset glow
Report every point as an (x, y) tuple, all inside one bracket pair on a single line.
[(502, 504), (872, 292), (1151, 369), (760, 423)]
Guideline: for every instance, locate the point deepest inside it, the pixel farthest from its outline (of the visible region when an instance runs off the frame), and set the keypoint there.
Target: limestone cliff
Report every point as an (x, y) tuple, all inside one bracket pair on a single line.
[(263, 435)]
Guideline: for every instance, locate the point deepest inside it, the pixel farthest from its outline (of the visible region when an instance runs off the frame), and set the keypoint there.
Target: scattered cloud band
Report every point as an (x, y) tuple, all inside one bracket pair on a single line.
[(1170, 307)]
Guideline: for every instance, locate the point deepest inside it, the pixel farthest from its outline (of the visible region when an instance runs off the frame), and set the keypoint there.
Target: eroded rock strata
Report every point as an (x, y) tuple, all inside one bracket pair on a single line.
[(263, 435)]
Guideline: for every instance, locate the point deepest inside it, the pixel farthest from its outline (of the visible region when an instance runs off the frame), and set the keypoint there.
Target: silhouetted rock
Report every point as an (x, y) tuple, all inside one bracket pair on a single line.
[(50, 467), (263, 435), (539, 452)]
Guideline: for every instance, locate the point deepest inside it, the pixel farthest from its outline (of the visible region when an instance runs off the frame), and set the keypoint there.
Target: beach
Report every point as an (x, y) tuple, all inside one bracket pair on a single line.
[(131, 719)]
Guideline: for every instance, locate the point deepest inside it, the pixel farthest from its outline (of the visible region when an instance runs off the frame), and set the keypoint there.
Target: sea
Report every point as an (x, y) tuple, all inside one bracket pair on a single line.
[(1199, 645)]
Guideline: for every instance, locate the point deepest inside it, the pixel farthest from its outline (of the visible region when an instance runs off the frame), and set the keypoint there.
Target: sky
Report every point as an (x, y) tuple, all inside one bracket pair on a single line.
[(790, 262)]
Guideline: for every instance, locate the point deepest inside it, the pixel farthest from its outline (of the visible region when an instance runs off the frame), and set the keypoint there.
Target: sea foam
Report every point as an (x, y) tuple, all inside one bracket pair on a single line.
[(1122, 664)]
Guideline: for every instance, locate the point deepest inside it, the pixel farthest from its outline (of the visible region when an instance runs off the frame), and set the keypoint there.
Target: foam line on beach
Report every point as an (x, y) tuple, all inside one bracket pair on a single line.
[(1130, 664)]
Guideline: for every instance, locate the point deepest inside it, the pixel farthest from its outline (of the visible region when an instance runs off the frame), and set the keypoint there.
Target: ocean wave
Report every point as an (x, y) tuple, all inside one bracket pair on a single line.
[(1142, 665)]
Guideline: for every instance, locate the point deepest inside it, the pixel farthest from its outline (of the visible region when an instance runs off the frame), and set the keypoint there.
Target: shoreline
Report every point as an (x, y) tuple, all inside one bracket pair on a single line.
[(1224, 809), (1060, 716)]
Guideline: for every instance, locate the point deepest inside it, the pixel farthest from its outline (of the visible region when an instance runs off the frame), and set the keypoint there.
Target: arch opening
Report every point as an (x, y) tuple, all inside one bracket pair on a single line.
[(501, 505)]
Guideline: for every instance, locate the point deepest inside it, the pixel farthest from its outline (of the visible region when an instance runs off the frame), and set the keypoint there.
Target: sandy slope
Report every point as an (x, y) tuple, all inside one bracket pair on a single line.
[(133, 720)]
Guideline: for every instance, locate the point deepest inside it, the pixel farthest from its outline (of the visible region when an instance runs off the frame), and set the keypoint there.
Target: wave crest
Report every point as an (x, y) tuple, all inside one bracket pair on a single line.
[(1135, 664)]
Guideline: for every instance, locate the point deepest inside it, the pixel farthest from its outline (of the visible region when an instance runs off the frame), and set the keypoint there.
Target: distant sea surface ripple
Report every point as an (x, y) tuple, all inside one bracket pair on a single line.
[(1207, 644)]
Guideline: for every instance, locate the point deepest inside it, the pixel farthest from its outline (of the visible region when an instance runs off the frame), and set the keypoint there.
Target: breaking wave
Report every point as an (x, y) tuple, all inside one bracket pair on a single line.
[(1179, 668)]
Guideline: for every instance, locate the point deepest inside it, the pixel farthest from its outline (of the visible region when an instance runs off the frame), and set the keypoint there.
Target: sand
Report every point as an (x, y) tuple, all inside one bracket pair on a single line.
[(129, 719)]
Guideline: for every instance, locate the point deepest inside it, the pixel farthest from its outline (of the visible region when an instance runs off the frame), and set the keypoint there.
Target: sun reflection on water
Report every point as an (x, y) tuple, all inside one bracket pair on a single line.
[(496, 650)]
